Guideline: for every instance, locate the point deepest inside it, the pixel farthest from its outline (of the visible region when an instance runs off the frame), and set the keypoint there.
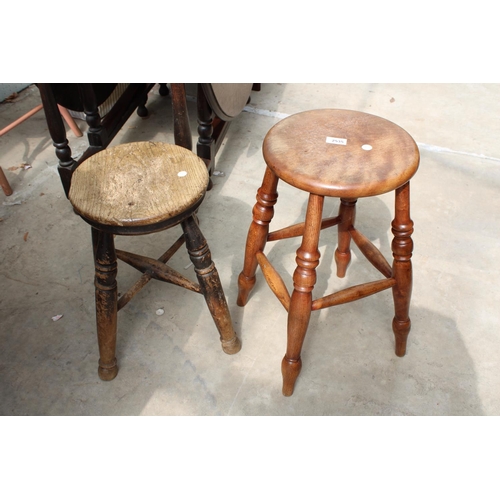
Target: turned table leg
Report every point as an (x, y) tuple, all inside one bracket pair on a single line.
[(182, 129), (347, 213), (164, 90), (57, 132), (106, 295), (402, 247), (209, 280), (263, 212), (205, 147), (304, 279), (142, 110)]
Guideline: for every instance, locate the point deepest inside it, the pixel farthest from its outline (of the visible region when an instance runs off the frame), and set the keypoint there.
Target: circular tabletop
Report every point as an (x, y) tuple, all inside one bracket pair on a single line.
[(227, 99), (138, 184), (341, 153)]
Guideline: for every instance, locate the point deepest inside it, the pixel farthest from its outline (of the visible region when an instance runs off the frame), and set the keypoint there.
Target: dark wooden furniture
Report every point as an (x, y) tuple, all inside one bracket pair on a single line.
[(217, 106), (134, 189), (101, 130), (142, 188), (344, 154)]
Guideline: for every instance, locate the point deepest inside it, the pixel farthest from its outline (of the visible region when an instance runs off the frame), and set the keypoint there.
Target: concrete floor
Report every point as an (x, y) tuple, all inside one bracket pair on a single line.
[(173, 365)]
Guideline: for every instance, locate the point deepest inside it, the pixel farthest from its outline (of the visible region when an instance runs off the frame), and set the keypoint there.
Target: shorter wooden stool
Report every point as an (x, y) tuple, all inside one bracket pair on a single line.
[(344, 154), (141, 188)]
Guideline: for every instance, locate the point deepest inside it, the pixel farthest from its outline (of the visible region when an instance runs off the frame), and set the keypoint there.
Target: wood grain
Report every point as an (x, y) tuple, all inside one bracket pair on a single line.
[(298, 229), (352, 293), (368, 156), (371, 252), (138, 183), (274, 280), (297, 151)]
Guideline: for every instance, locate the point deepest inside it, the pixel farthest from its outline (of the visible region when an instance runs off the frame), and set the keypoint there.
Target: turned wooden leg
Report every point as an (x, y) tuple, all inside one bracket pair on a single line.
[(106, 296), (182, 129), (205, 147), (304, 279), (57, 132), (208, 277), (95, 240), (347, 212), (402, 247), (263, 212), (97, 134), (142, 110), (164, 90)]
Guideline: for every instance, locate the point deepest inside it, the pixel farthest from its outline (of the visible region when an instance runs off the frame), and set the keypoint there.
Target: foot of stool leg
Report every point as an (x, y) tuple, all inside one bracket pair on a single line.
[(290, 370), (401, 330), (107, 373), (402, 247), (298, 321), (245, 286), (347, 212), (231, 346), (304, 279), (106, 295), (263, 212), (342, 260), (210, 284)]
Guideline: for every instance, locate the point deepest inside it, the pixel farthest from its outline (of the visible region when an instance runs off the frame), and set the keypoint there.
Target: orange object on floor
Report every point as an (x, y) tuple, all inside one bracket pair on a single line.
[(5, 184)]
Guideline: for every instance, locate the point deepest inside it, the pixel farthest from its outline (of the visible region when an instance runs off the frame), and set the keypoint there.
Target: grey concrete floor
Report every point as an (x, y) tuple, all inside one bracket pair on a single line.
[(173, 365)]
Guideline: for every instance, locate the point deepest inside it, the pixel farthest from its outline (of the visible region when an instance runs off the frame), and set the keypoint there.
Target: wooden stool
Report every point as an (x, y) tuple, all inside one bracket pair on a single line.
[(344, 154), (142, 188)]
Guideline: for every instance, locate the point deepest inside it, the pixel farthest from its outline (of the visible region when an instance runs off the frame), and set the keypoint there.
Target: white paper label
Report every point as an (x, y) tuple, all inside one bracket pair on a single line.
[(336, 140)]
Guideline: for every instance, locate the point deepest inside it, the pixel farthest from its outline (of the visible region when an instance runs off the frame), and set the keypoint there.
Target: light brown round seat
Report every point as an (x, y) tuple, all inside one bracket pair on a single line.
[(140, 188), (344, 154), (138, 184)]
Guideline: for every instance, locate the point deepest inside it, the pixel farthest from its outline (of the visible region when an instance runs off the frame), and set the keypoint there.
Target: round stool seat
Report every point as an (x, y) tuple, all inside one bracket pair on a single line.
[(341, 153), (138, 184)]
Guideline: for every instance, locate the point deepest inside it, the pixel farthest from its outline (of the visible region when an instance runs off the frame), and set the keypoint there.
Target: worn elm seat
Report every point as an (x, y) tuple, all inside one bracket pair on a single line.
[(348, 155), (141, 188)]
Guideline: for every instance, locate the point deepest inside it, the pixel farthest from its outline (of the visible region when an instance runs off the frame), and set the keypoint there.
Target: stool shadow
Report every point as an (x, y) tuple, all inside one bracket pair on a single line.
[(350, 367), (373, 219)]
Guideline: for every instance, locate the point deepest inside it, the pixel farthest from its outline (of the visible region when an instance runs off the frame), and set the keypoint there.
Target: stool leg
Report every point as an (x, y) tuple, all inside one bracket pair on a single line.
[(402, 247), (263, 212), (347, 212), (304, 279), (95, 240), (208, 277), (106, 295)]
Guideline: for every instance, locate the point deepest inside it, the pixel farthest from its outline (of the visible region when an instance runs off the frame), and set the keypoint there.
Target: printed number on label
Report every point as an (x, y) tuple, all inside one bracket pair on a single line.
[(336, 140)]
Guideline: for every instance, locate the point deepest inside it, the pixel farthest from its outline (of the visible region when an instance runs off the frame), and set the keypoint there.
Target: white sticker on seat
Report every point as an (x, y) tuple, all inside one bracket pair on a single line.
[(336, 140)]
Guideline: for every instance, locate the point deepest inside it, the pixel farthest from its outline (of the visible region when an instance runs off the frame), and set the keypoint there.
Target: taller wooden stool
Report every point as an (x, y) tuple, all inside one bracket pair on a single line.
[(344, 154), (141, 188)]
